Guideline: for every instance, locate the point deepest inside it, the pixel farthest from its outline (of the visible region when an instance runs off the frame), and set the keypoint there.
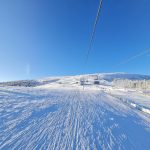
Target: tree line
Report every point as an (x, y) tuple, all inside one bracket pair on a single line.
[(135, 84)]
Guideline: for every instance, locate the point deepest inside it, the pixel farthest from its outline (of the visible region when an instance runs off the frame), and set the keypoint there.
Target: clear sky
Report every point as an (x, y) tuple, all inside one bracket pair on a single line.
[(40, 38)]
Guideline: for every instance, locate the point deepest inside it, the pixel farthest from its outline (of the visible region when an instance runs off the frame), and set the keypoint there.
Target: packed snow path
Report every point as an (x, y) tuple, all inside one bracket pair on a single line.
[(69, 119)]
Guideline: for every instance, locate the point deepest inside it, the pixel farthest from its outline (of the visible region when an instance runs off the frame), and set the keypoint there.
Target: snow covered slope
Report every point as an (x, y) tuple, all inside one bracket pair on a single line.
[(56, 113), (105, 79), (112, 76)]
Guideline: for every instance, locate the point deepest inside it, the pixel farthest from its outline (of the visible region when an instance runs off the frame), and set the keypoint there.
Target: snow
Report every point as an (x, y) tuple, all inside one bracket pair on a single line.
[(59, 114)]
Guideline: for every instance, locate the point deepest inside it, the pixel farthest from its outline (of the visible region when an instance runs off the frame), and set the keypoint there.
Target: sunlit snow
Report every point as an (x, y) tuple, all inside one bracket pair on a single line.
[(56, 113)]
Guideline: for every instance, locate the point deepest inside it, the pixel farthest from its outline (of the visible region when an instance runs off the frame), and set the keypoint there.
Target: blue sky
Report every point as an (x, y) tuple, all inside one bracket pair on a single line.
[(40, 38)]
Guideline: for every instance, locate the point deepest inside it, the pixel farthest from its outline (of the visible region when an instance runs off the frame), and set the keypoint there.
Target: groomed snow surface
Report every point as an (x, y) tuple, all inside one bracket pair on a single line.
[(60, 115)]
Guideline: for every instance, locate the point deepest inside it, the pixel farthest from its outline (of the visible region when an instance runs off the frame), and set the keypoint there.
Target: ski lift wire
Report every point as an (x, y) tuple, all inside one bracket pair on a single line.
[(94, 31), (93, 34)]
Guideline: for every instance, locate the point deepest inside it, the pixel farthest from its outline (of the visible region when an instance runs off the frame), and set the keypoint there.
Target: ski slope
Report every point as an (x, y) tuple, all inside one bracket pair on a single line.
[(60, 115)]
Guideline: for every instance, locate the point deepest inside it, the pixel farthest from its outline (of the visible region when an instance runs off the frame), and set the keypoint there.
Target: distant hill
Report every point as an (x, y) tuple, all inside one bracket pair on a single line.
[(103, 77)]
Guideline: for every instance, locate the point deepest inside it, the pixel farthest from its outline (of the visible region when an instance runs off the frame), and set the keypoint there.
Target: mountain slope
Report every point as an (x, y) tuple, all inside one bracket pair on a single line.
[(59, 114)]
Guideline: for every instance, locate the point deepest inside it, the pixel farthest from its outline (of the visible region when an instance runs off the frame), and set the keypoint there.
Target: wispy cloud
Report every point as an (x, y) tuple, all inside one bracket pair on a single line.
[(28, 70), (146, 52)]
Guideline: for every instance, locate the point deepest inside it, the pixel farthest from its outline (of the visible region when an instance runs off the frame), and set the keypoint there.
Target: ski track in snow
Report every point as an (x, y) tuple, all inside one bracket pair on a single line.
[(69, 119)]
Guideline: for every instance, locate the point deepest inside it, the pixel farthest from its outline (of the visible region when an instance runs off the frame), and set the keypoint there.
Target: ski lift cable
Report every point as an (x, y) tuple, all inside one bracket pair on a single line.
[(93, 35), (94, 31)]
